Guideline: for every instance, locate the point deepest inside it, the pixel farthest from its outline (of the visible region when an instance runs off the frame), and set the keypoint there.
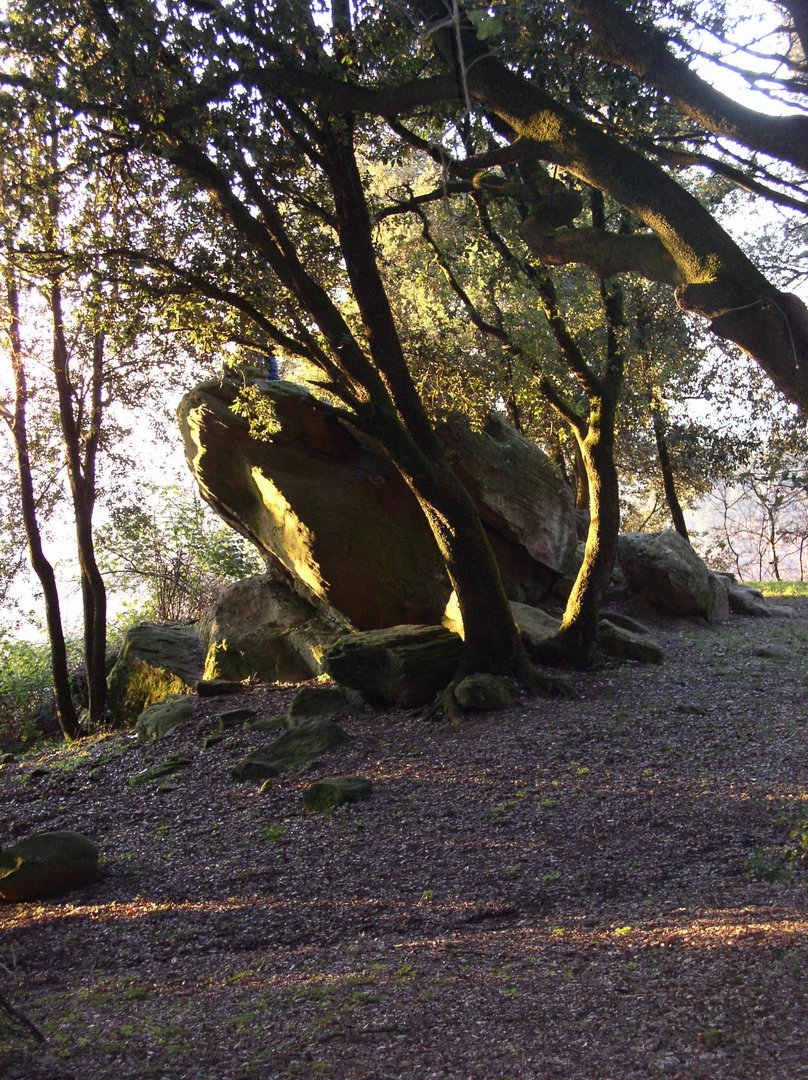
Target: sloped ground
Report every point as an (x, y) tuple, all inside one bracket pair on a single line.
[(603, 888)]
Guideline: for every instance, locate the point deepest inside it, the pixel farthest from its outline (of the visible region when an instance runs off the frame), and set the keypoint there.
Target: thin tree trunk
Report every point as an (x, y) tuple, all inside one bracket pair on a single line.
[(671, 497), (83, 495), (65, 707)]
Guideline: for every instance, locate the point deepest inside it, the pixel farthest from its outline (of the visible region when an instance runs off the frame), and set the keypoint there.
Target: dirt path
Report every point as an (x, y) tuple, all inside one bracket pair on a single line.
[(595, 889)]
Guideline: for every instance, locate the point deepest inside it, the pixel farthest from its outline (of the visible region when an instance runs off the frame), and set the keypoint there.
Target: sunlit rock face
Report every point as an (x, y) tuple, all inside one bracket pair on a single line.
[(334, 516)]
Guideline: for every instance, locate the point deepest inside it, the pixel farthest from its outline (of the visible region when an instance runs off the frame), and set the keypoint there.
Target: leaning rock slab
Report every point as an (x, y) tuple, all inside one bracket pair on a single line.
[(154, 662), (668, 573), (323, 504), (47, 863), (403, 665)]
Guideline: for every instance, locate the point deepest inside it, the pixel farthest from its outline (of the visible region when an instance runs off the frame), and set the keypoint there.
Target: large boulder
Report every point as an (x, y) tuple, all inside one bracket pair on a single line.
[(155, 661), (47, 863), (258, 628), (327, 508), (667, 572)]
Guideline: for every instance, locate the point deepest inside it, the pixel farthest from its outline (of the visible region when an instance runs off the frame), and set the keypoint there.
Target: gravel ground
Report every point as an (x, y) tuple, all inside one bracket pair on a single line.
[(601, 888)]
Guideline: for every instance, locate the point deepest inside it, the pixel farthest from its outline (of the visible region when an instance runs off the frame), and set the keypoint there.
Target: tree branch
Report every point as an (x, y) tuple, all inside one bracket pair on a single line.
[(619, 39)]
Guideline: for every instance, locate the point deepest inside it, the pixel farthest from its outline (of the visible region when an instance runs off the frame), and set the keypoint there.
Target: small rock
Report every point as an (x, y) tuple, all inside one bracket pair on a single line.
[(626, 645), (483, 693), (218, 687), (233, 717), (257, 765), (774, 652), (323, 702), (164, 768), (334, 791), (158, 720)]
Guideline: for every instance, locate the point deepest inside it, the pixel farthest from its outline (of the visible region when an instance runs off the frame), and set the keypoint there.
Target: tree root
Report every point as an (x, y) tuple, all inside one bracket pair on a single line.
[(20, 1018), (562, 652), (522, 670)]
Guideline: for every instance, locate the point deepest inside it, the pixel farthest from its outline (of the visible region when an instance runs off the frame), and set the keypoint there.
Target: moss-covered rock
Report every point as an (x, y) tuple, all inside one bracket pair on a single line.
[(623, 644), (403, 665), (259, 629), (158, 720), (47, 863), (156, 772), (483, 693), (258, 765), (154, 662), (235, 717), (321, 702), (334, 791), (294, 748), (666, 570)]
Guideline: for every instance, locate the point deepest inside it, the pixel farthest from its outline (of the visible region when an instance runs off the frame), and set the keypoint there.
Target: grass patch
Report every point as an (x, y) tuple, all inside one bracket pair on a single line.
[(779, 588)]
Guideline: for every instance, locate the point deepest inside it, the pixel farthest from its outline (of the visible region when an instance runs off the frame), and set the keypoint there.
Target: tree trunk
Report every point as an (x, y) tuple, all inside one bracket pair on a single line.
[(400, 423), (582, 497), (65, 708), (671, 497), (82, 487), (579, 626)]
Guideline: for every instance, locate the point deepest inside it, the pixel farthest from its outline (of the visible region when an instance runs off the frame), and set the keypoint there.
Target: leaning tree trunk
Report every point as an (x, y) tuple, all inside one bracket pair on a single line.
[(399, 422)]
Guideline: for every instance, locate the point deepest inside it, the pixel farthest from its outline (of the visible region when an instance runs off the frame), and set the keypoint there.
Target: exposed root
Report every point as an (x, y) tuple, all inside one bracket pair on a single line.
[(20, 1018), (522, 670), (445, 706), (563, 652), (539, 682)]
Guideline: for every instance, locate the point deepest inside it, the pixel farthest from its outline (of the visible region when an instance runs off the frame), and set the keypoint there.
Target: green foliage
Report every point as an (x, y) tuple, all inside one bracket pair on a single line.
[(26, 684), (173, 552)]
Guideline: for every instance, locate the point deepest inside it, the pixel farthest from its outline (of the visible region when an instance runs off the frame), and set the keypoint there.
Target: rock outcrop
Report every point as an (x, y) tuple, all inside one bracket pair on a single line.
[(668, 573), (154, 662), (334, 516)]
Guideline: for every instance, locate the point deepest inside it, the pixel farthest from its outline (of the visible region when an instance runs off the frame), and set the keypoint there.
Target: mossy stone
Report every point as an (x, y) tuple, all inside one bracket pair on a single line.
[(164, 768), (483, 693), (257, 766), (269, 723), (154, 662), (47, 863), (158, 720), (623, 644), (321, 702), (333, 791), (233, 717), (294, 748), (404, 665)]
